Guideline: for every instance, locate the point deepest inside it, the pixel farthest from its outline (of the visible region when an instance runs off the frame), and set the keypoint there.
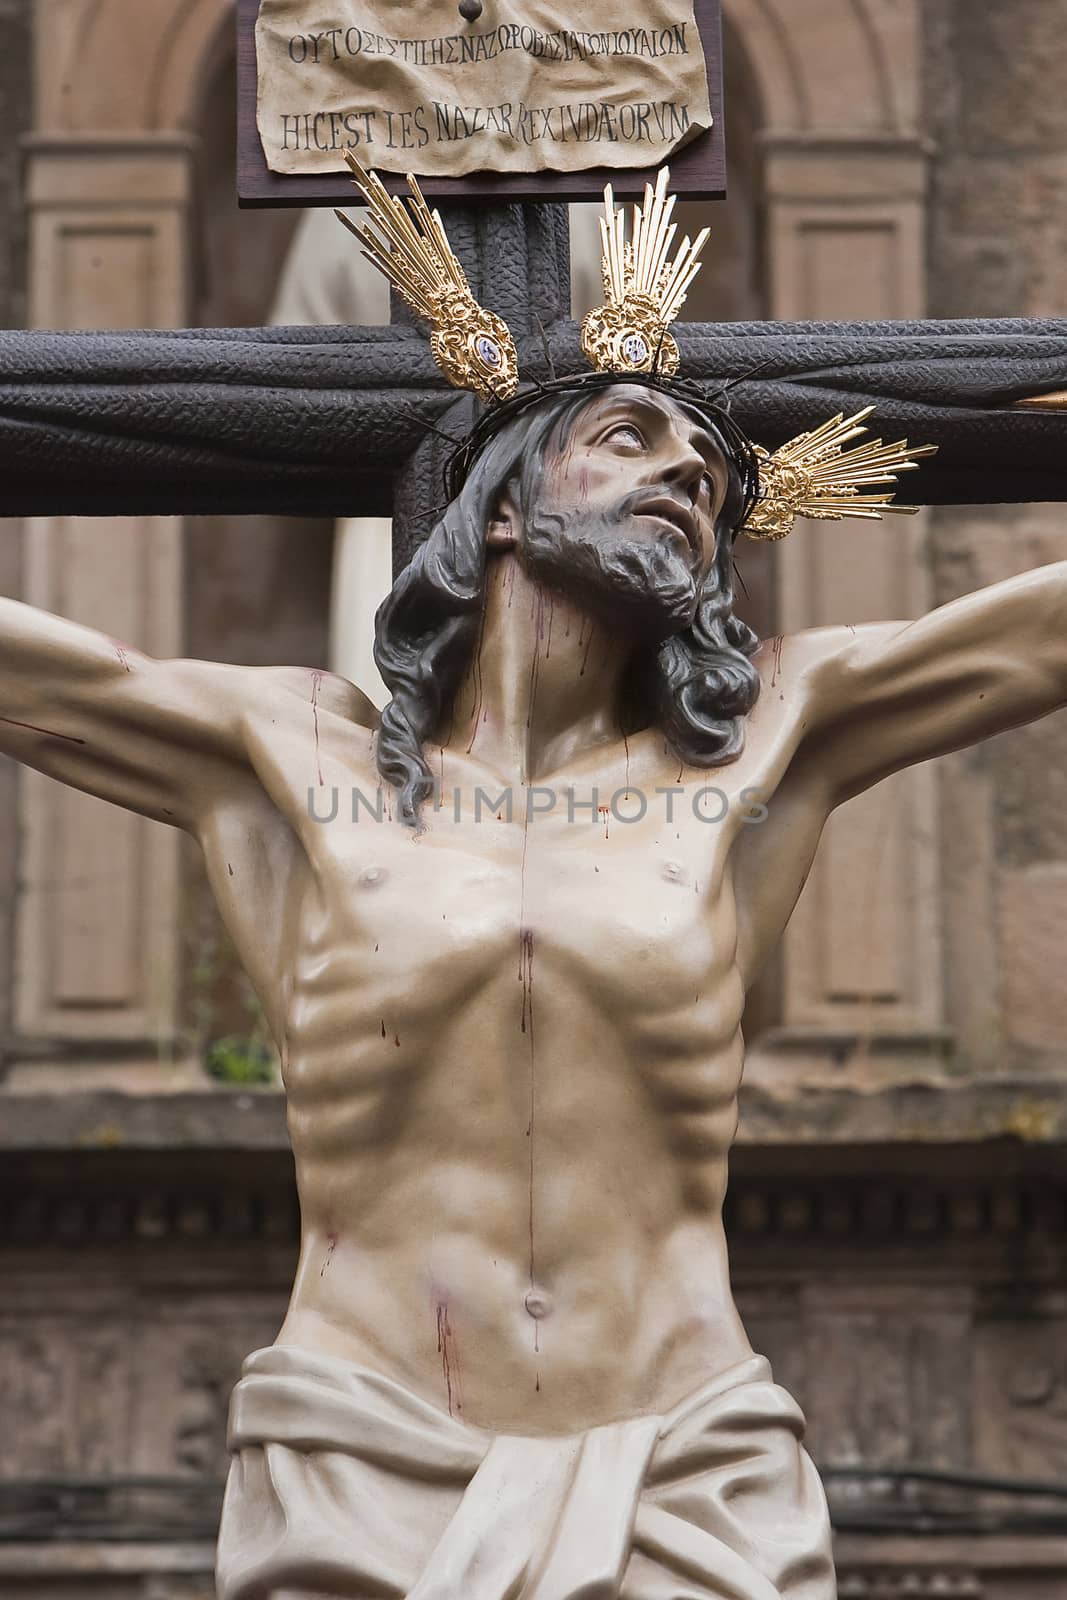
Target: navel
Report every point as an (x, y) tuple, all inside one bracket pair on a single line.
[(538, 1304)]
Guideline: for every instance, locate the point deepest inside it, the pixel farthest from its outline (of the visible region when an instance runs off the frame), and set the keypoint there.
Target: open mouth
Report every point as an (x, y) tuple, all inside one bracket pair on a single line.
[(665, 508)]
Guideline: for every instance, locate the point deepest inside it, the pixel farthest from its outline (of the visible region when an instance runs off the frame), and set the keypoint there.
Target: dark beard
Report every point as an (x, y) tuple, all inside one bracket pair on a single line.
[(645, 586)]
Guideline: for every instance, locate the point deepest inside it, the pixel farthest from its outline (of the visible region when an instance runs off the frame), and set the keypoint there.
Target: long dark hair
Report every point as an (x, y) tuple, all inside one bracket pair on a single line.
[(697, 685)]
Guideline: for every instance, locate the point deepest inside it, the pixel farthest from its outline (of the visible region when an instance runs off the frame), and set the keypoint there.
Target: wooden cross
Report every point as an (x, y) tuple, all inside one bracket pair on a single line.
[(340, 421)]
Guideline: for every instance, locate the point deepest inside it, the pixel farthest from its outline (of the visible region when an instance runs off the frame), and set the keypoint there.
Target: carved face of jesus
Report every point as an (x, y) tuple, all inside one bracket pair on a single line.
[(624, 520)]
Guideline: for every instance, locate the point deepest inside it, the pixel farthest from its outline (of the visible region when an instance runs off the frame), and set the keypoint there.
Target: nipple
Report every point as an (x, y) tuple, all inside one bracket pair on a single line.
[(371, 876)]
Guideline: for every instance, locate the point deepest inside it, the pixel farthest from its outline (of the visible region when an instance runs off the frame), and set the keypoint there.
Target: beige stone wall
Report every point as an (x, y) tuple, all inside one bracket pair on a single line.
[(995, 77), (15, 115)]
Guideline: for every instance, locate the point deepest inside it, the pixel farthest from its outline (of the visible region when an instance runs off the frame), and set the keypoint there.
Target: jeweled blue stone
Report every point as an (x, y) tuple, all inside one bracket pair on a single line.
[(488, 350), (634, 349)]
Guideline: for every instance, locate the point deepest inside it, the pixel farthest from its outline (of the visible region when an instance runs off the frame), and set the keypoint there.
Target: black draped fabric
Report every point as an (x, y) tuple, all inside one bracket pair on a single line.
[(321, 420)]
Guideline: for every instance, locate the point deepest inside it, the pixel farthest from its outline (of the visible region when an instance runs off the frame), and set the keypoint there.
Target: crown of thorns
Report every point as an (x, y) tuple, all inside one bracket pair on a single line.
[(627, 339)]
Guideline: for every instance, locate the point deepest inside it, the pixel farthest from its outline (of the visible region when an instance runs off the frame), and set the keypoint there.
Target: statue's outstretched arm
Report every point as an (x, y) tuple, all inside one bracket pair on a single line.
[(157, 737), (887, 695)]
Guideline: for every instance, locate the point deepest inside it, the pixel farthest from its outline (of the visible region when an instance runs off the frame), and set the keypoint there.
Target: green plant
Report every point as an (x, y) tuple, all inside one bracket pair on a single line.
[(237, 1060), (226, 1027)]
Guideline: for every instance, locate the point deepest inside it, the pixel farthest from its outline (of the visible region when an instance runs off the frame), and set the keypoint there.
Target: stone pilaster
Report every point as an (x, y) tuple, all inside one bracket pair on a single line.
[(97, 917), (862, 954)]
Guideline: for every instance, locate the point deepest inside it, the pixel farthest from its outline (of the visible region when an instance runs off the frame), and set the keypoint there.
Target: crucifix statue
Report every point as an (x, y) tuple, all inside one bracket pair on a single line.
[(503, 931)]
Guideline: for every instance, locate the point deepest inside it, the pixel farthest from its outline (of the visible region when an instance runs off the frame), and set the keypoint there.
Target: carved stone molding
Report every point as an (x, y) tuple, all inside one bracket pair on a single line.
[(988, 1567), (129, 1198), (1021, 1393), (888, 1585), (116, 1509), (64, 1570), (216, 1167)]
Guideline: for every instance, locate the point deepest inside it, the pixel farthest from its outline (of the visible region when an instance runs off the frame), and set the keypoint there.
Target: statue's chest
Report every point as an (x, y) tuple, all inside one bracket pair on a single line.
[(632, 914)]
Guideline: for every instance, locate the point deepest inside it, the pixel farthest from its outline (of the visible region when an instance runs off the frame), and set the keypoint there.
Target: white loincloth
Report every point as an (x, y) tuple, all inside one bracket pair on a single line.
[(346, 1486)]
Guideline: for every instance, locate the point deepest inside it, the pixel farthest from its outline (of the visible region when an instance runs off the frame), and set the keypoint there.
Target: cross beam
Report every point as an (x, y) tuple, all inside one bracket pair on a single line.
[(335, 421)]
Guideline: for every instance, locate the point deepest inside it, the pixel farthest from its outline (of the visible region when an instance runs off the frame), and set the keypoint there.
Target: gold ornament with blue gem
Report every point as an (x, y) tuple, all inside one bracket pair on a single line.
[(644, 289), (472, 346)]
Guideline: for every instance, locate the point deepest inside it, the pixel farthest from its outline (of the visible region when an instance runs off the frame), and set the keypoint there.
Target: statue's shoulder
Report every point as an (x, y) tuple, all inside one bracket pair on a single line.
[(815, 671), (327, 691), (793, 656)]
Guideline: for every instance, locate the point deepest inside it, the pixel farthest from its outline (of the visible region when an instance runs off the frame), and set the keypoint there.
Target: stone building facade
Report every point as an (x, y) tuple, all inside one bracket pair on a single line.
[(898, 1204)]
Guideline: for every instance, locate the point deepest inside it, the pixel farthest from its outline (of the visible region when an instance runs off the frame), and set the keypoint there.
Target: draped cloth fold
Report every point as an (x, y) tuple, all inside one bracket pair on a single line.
[(346, 1486)]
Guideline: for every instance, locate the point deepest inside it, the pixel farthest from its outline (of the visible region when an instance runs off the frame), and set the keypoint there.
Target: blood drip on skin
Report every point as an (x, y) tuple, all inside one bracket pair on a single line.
[(535, 661), (526, 942), (777, 651), (585, 654), (605, 812), (527, 1026), (120, 651), (316, 680), (51, 732), (446, 1349), (331, 1246), (451, 722), (476, 706)]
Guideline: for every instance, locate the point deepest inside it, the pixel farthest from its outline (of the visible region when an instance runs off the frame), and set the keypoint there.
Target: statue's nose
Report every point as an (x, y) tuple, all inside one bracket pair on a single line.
[(685, 468)]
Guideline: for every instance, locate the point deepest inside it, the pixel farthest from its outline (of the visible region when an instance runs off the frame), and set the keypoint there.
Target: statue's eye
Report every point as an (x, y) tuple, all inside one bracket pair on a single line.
[(625, 433)]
